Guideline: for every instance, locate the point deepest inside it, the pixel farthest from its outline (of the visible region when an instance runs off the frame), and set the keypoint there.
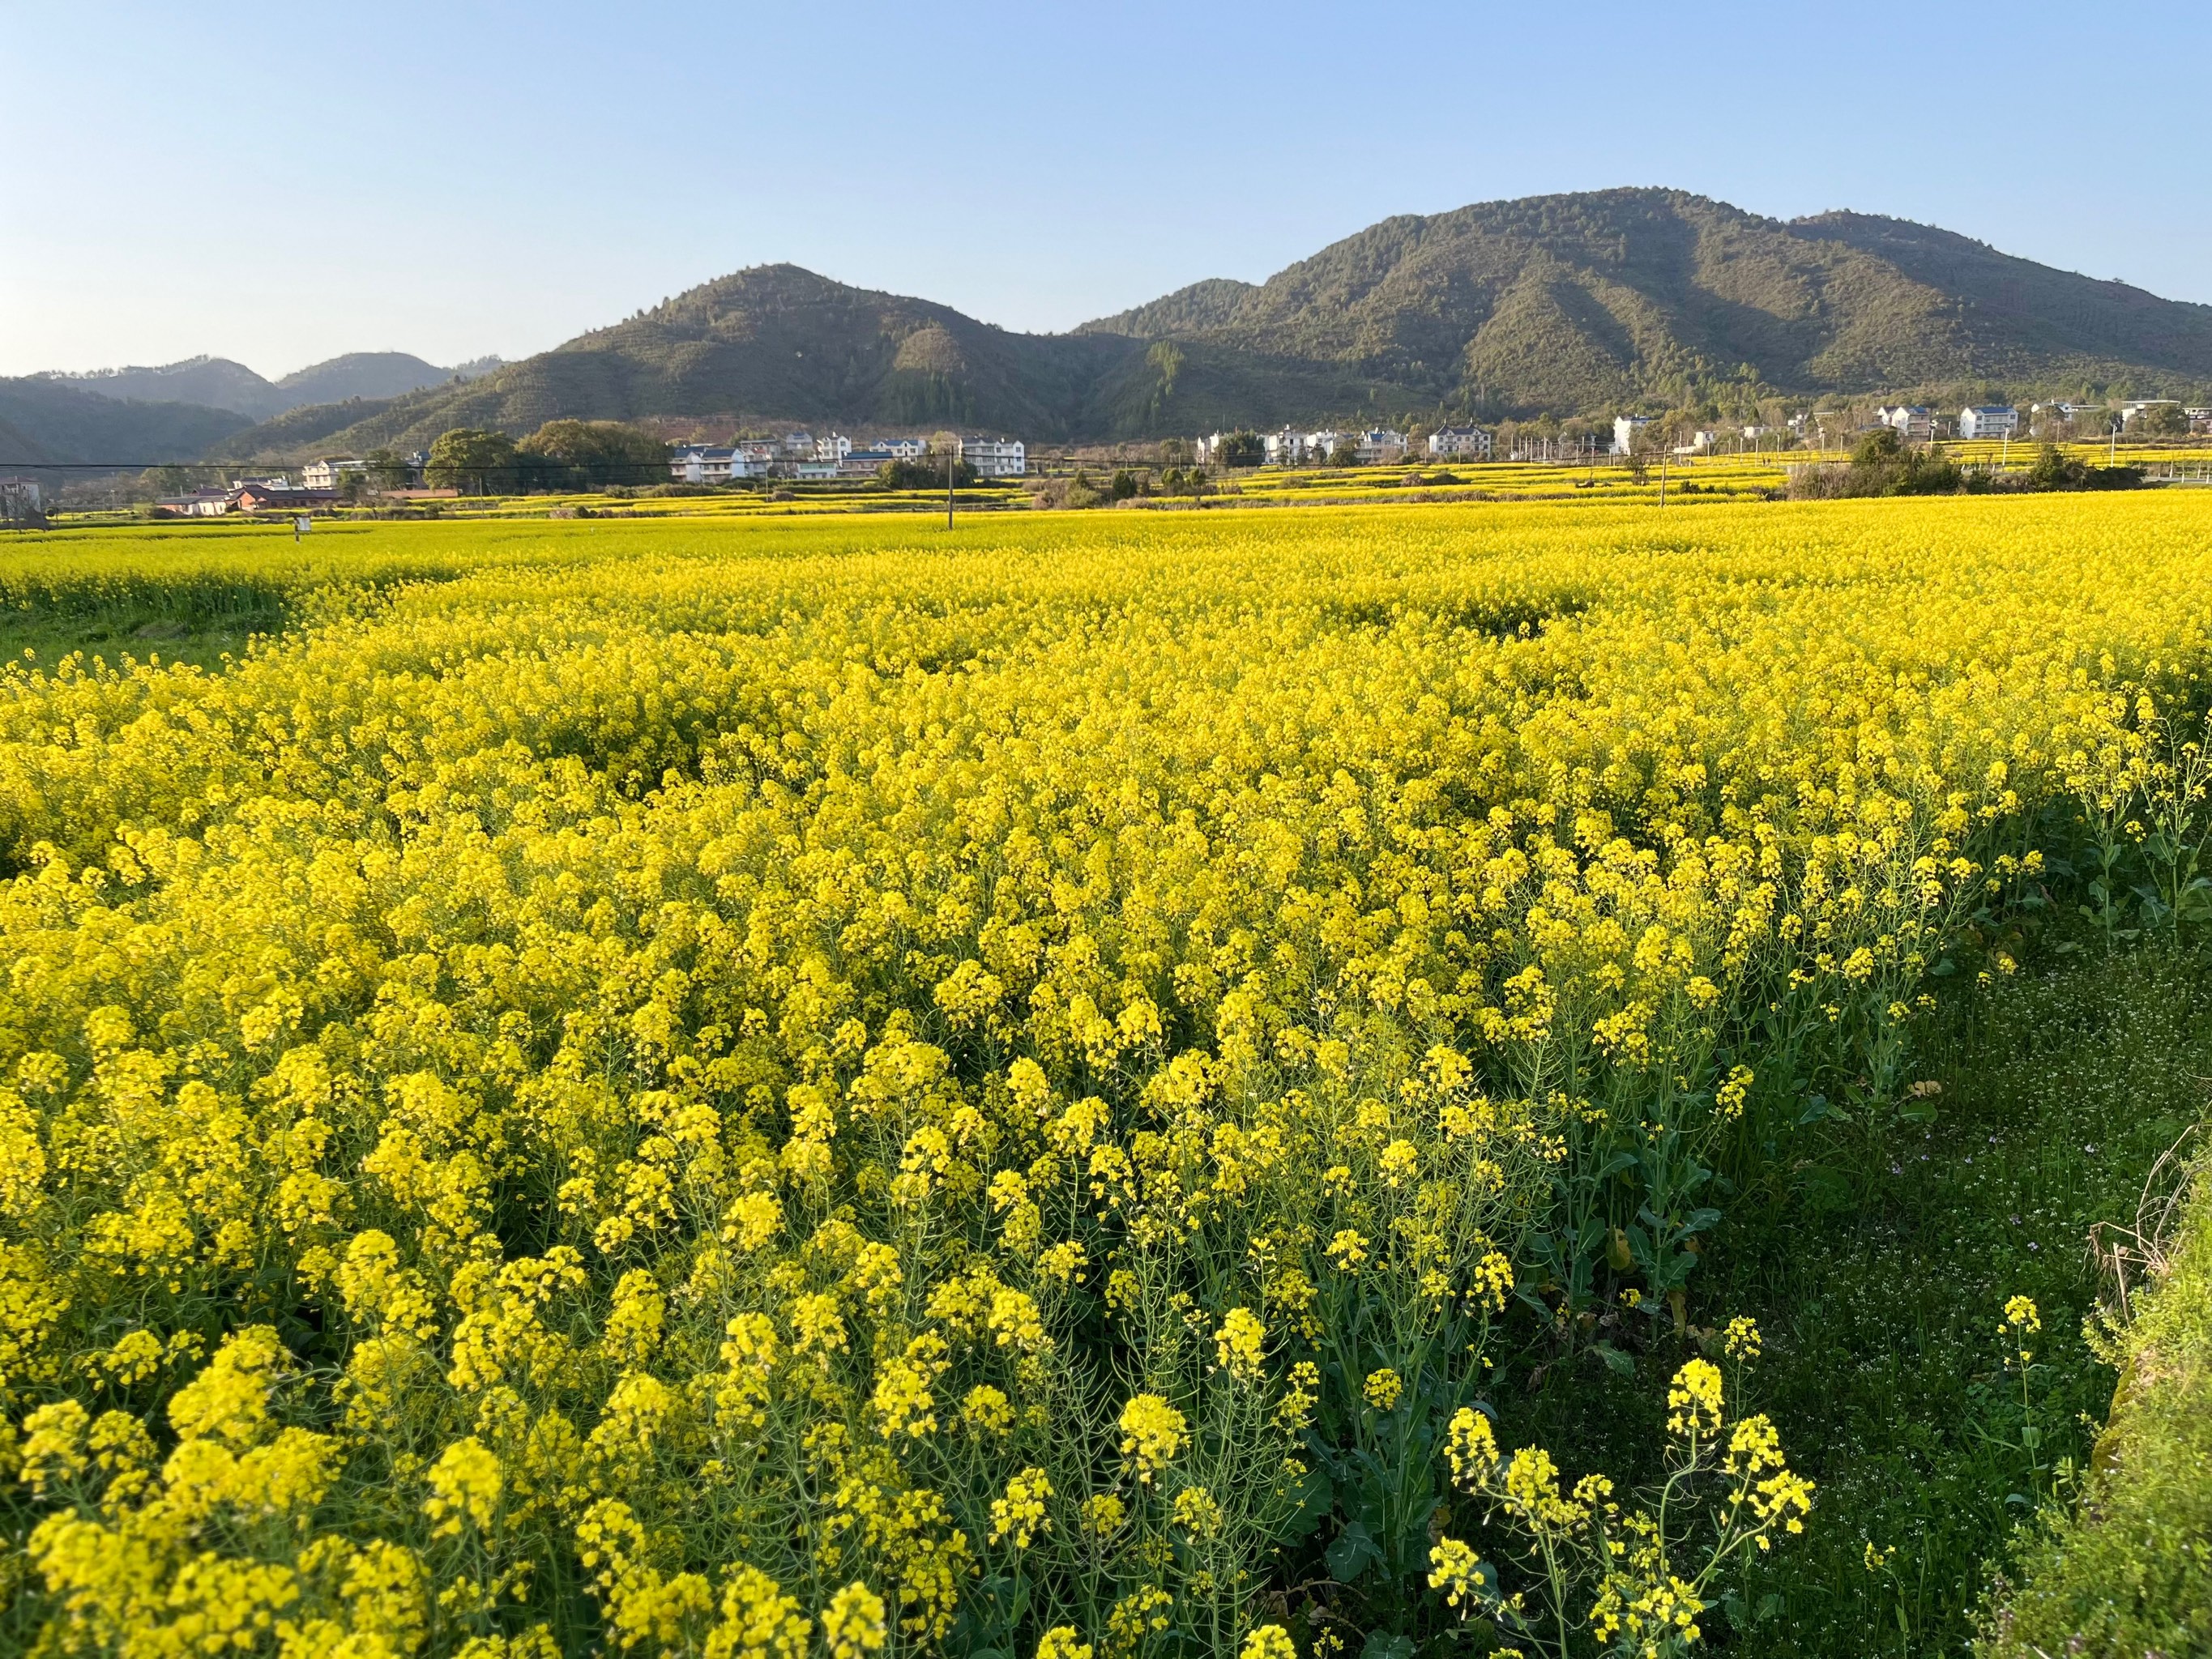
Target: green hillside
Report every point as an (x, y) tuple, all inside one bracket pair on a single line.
[(1564, 303), (776, 342), (361, 375), (213, 382), (47, 421), (1577, 301)]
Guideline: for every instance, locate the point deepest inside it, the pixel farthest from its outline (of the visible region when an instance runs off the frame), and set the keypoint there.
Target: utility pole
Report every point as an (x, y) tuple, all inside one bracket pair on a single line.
[(951, 460)]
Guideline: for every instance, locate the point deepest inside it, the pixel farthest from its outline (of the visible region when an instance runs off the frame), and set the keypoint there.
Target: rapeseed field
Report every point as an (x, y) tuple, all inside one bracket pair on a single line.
[(839, 1087)]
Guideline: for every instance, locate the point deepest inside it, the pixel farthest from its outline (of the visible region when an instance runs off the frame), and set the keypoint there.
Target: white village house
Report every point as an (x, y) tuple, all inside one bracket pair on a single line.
[(1989, 420), (1460, 442), (1626, 430), (1913, 421), (326, 473), (995, 457), (718, 463), (1378, 448), (21, 499)]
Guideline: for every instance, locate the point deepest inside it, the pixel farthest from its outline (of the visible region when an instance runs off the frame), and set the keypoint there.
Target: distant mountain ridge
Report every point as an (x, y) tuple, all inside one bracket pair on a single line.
[(1573, 303), (1568, 304), (52, 423), (219, 383)]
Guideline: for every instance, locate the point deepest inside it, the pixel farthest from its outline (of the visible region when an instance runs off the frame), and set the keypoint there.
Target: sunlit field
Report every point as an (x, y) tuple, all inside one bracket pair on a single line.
[(1380, 1081)]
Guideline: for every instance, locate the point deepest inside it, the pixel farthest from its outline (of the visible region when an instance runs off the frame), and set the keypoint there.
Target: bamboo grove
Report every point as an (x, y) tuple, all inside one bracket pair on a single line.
[(836, 1089)]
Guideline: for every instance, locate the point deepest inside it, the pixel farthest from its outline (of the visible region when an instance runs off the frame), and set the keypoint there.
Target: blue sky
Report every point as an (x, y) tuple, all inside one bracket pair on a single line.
[(280, 183)]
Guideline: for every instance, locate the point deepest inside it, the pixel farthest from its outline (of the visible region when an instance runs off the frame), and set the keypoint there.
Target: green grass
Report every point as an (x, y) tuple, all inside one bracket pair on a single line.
[(2131, 1571), (141, 633), (1878, 1267)]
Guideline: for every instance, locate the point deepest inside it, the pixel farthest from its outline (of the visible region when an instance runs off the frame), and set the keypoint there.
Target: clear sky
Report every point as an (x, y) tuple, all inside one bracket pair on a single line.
[(280, 183)]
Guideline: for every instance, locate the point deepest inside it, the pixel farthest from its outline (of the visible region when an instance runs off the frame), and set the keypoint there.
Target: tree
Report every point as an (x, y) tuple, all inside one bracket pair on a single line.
[(1881, 446), (591, 455), (471, 460), (386, 469), (1242, 449), (2160, 421), (927, 473)]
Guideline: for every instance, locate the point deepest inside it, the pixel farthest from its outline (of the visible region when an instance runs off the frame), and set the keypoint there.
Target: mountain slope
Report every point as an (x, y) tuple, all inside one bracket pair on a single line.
[(1212, 303), (49, 420), (219, 383), (213, 382), (1566, 303), (361, 374), (1578, 301), (776, 342), (2030, 313)]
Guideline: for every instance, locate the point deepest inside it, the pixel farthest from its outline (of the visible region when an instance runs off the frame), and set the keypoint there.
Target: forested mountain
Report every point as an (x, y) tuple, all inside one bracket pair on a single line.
[(1568, 304), (1565, 303), (44, 421), (779, 342), (210, 382), (361, 375)]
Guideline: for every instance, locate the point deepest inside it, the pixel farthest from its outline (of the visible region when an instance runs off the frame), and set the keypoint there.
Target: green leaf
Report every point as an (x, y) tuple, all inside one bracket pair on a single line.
[(1351, 1554), (1316, 1492)]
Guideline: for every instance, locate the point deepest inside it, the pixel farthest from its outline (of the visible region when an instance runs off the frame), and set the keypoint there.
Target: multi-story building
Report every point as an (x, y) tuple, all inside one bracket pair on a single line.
[(1377, 447), (1285, 448), (1989, 420), (21, 500), (995, 457), (327, 473), (1460, 442), (1626, 429), (1912, 421), (700, 464), (718, 463), (859, 463), (2136, 406)]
